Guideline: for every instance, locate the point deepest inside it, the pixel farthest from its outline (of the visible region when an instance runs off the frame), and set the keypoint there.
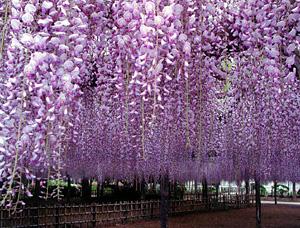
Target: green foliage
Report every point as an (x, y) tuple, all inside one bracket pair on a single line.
[(94, 186), (227, 66), (212, 189), (263, 191), (107, 191), (282, 189), (179, 192), (54, 183), (227, 85)]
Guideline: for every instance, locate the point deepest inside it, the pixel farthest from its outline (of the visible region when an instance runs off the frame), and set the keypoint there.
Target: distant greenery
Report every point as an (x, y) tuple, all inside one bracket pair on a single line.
[(281, 189), (212, 189), (227, 66), (94, 186), (263, 191), (53, 183)]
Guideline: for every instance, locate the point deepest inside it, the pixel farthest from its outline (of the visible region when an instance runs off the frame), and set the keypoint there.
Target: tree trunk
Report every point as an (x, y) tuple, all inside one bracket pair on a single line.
[(86, 189), (153, 186), (195, 189), (205, 192), (217, 190), (294, 191), (247, 191), (143, 189), (98, 190), (37, 189), (258, 204), (164, 207), (135, 184), (102, 190), (69, 189), (275, 192)]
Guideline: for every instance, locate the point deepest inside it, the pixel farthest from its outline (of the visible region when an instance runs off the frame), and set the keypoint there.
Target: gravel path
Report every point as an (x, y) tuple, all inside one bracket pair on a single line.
[(280, 216), (281, 202)]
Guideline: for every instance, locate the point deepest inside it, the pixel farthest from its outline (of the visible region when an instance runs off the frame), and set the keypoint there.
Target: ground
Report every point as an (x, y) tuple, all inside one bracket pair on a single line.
[(280, 216)]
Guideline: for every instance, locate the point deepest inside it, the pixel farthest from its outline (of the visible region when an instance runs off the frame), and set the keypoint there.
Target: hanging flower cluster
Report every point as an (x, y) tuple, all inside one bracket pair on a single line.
[(44, 60)]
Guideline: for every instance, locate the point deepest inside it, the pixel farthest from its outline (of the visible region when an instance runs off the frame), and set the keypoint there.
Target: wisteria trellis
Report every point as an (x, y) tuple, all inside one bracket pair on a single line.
[(127, 89)]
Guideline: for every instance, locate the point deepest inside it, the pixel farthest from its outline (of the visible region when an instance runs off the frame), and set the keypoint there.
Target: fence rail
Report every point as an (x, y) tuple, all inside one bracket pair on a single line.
[(99, 215)]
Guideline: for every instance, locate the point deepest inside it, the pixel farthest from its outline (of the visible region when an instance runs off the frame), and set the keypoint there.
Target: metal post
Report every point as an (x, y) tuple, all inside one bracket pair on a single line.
[(151, 208), (94, 222), (275, 192), (57, 217)]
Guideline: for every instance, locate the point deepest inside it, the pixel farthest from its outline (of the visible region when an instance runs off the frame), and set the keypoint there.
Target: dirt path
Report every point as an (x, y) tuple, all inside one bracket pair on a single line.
[(280, 216)]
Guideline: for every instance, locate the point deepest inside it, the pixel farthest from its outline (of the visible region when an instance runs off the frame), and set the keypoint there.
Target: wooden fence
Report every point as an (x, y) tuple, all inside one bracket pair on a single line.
[(101, 215)]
